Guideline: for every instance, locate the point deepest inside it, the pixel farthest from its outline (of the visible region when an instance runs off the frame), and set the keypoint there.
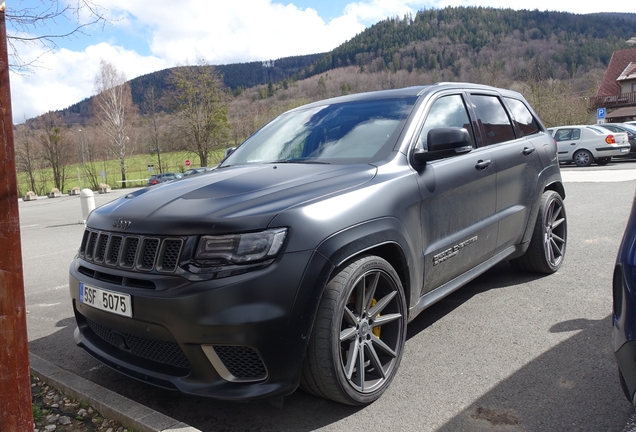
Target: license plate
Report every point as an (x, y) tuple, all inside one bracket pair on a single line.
[(624, 150), (109, 301)]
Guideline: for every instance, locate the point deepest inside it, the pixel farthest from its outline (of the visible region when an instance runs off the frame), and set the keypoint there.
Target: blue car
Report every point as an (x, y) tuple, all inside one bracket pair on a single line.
[(624, 309)]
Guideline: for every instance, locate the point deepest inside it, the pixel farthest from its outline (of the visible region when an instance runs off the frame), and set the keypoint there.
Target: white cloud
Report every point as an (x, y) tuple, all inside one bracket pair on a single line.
[(370, 12), (66, 77), (235, 31)]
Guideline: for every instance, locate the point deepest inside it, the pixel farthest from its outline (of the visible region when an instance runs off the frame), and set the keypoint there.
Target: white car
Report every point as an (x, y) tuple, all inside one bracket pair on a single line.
[(584, 144)]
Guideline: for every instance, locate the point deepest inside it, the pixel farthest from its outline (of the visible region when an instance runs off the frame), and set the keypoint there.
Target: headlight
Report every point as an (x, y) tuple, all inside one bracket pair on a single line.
[(242, 248)]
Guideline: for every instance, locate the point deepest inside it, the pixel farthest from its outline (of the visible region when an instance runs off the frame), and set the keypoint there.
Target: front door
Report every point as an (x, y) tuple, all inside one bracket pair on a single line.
[(458, 201)]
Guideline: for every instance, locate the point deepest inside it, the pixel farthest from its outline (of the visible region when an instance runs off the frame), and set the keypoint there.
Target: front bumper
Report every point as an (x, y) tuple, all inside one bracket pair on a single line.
[(242, 337)]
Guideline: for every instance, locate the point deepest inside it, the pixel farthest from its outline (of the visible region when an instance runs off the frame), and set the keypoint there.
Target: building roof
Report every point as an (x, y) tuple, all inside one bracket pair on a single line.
[(628, 73), (622, 112), (617, 65)]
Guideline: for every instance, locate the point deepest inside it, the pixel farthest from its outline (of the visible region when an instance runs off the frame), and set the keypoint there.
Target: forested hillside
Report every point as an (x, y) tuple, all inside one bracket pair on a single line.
[(455, 43), (442, 39)]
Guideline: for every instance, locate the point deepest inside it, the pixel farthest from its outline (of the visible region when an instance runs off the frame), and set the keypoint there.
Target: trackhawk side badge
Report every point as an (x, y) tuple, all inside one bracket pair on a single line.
[(123, 224), (453, 251)]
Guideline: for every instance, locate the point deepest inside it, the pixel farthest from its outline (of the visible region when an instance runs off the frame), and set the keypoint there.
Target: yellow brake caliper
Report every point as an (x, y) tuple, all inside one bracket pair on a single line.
[(376, 330)]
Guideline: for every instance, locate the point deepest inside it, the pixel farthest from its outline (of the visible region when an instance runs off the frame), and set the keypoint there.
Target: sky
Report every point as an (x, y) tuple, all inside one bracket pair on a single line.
[(143, 36)]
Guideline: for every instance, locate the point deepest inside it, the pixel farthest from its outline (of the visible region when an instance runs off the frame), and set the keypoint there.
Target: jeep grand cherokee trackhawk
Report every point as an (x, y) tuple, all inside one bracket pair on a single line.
[(301, 258)]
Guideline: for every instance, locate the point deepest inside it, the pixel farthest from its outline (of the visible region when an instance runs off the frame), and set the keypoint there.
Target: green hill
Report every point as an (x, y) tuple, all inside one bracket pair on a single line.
[(454, 43)]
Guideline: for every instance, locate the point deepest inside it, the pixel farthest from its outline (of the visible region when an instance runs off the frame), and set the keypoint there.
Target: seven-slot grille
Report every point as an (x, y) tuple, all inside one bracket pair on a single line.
[(131, 252)]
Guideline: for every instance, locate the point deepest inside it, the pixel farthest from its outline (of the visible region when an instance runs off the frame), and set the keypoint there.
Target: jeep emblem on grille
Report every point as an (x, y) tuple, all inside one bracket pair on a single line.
[(124, 224)]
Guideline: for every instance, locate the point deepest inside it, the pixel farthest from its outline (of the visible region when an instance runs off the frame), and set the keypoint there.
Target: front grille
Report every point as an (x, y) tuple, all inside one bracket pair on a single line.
[(131, 252), (242, 362), (168, 353)]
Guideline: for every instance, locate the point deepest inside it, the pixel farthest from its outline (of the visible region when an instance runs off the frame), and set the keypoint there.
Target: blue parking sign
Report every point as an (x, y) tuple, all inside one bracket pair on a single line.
[(600, 114)]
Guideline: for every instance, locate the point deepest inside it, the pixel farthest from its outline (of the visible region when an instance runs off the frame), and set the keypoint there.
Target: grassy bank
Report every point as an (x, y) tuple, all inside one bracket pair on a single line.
[(93, 173)]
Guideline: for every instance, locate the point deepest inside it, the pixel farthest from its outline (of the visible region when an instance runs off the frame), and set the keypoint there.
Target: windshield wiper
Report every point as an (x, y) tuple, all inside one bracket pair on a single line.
[(299, 160)]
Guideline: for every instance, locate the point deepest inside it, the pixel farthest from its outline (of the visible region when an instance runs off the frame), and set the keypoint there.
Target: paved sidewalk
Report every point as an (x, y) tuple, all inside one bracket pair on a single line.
[(129, 413)]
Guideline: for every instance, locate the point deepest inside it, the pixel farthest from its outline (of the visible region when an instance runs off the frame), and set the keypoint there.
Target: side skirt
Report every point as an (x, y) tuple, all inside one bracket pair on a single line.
[(442, 291)]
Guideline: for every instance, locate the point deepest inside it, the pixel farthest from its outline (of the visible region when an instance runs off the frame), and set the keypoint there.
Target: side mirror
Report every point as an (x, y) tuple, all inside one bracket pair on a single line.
[(443, 143)]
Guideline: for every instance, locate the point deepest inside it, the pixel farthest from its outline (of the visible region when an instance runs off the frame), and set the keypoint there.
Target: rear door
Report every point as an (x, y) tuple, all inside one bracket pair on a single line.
[(567, 140), (513, 136)]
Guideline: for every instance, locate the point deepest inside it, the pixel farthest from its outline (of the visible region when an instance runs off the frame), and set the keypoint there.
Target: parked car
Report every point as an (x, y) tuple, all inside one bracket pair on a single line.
[(199, 170), (162, 178), (584, 145), (624, 309), (630, 130), (300, 260)]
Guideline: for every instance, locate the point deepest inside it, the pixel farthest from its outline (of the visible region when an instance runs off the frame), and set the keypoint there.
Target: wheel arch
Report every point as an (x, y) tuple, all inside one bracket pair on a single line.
[(556, 186), (385, 238), (392, 253), (550, 178)]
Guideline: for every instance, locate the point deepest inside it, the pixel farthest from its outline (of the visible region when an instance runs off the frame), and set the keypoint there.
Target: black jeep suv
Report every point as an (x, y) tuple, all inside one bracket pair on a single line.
[(301, 258)]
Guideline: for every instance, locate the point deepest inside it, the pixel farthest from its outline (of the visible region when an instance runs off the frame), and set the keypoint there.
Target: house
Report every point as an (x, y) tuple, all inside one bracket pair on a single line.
[(617, 93)]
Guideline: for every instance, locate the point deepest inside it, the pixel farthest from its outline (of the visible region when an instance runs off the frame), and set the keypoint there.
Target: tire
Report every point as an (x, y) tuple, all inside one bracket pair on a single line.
[(603, 161), (549, 238), (624, 387), (357, 341), (583, 158)]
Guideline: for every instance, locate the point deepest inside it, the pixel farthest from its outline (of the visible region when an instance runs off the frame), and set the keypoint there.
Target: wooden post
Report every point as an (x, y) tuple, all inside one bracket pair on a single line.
[(15, 384)]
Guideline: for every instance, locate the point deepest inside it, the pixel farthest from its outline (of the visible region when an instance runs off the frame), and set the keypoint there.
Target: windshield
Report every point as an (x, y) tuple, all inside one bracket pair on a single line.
[(353, 132)]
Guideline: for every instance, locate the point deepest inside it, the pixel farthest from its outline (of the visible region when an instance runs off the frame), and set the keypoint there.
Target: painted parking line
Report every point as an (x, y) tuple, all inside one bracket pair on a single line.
[(601, 176)]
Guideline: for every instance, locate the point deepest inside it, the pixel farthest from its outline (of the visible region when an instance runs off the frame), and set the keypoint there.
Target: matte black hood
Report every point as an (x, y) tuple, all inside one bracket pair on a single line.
[(227, 199)]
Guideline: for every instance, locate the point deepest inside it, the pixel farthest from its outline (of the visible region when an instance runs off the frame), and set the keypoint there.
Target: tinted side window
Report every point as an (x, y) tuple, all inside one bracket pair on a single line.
[(523, 118), (447, 111), (563, 134), (494, 119), (567, 134)]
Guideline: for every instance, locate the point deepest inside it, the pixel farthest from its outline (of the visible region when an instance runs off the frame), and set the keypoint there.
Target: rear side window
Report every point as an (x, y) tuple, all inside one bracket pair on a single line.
[(523, 118), (494, 119), (567, 134)]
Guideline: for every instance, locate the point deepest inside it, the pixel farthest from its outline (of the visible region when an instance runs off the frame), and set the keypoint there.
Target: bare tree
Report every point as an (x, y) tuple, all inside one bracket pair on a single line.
[(27, 156), (115, 110), (199, 103), (31, 24), (89, 152), (56, 148), (150, 106)]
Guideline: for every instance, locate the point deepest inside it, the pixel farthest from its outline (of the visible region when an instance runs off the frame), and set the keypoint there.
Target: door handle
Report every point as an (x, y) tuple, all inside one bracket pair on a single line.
[(528, 150), (483, 164)]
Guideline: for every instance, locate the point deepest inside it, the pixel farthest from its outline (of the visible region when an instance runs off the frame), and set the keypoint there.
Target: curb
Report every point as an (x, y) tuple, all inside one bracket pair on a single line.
[(129, 413)]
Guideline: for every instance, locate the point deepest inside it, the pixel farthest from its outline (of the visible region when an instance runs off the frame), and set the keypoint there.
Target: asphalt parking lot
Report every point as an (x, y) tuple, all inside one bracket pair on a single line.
[(509, 352)]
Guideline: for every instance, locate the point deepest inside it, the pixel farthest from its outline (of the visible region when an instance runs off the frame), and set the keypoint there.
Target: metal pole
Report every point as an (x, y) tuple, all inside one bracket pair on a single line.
[(15, 384)]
